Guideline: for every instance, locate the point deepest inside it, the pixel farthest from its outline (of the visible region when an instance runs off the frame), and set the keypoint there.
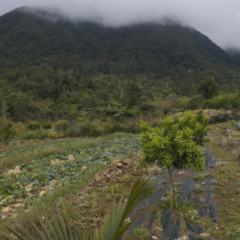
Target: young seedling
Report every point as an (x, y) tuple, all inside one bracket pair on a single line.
[(140, 233)]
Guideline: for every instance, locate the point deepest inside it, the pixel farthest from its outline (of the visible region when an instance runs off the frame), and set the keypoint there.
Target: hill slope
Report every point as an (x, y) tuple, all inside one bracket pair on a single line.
[(51, 67), (30, 37)]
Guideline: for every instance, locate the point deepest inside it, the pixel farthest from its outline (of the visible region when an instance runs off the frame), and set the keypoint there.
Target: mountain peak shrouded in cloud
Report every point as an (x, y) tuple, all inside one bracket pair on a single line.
[(219, 20), (55, 15), (164, 42)]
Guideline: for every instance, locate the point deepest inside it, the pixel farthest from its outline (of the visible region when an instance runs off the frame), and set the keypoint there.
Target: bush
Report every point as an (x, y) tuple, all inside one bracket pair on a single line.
[(225, 101), (33, 125), (85, 129), (51, 135), (8, 132), (62, 125), (131, 128), (193, 103), (112, 128), (47, 125), (95, 132), (37, 135)]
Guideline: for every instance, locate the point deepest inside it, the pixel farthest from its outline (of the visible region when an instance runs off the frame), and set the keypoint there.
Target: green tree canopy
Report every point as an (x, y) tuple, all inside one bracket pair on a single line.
[(174, 143), (208, 88)]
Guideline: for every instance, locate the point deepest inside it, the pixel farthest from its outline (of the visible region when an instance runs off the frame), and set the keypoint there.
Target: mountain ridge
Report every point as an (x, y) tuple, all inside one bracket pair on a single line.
[(95, 38)]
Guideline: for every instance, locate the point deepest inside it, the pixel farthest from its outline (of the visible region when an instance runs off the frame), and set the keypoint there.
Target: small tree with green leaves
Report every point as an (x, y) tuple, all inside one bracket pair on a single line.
[(208, 88), (175, 144)]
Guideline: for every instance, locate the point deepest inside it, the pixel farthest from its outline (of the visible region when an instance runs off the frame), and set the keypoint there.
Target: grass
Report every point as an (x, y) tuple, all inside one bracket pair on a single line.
[(198, 177), (14, 158), (64, 189), (140, 233), (226, 183)]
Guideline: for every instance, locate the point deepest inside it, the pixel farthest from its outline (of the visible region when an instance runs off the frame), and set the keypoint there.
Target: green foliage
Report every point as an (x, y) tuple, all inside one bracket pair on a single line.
[(113, 228), (224, 101), (8, 132), (236, 124), (52, 81), (174, 143), (143, 162), (140, 233), (33, 125), (193, 103), (95, 132), (36, 135), (51, 135), (47, 125), (111, 128), (208, 88), (62, 125), (191, 215), (199, 177), (198, 188)]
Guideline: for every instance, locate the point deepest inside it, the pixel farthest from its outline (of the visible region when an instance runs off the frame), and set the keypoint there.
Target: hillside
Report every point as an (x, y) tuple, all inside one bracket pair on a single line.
[(30, 37), (52, 67), (235, 54)]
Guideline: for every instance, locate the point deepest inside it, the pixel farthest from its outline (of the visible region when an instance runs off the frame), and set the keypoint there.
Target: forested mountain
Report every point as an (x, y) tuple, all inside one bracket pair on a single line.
[(64, 66), (235, 54), (28, 37)]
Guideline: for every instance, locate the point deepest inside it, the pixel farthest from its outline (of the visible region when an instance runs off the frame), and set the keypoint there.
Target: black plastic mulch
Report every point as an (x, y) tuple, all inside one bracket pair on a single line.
[(171, 228)]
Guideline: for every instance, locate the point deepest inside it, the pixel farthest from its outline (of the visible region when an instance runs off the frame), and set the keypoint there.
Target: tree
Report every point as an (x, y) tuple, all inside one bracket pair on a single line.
[(132, 94), (208, 88), (175, 143)]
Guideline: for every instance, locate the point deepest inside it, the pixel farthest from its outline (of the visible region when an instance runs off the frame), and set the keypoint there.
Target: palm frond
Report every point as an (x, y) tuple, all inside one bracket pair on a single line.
[(113, 228)]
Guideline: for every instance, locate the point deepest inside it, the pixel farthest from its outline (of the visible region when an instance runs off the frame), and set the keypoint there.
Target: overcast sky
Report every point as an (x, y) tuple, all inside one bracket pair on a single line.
[(218, 19)]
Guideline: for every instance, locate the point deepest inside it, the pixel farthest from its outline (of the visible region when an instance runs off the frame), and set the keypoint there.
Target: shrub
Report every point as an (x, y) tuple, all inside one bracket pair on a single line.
[(131, 128), (47, 125), (112, 128), (8, 132), (20, 130), (33, 125), (193, 103), (37, 134), (191, 215), (140, 233), (95, 132), (85, 129), (225, 101), (51, 135), (62, 125)]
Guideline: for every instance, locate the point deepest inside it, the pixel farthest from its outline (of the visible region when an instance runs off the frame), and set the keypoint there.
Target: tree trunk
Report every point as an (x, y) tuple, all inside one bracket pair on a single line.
[(172, 190)]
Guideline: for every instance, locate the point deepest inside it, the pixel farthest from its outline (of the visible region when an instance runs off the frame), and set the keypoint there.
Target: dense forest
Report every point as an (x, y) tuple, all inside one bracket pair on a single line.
[(57, 69)]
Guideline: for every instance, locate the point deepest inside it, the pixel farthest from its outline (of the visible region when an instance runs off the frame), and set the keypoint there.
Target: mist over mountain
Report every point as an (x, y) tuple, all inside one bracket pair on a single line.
[(234, 53), (33, 34), (65, 65)]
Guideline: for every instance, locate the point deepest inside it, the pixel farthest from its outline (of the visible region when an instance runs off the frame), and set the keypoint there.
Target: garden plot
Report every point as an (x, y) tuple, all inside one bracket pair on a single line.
[(22, 185)]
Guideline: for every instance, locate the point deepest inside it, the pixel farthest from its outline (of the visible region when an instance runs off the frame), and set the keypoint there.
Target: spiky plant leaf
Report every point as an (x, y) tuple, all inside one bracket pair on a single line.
[(13, 231), (113, 225)]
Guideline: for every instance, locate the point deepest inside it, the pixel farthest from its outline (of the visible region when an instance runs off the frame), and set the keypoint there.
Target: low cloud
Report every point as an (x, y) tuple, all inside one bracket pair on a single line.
[(218, 19)]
